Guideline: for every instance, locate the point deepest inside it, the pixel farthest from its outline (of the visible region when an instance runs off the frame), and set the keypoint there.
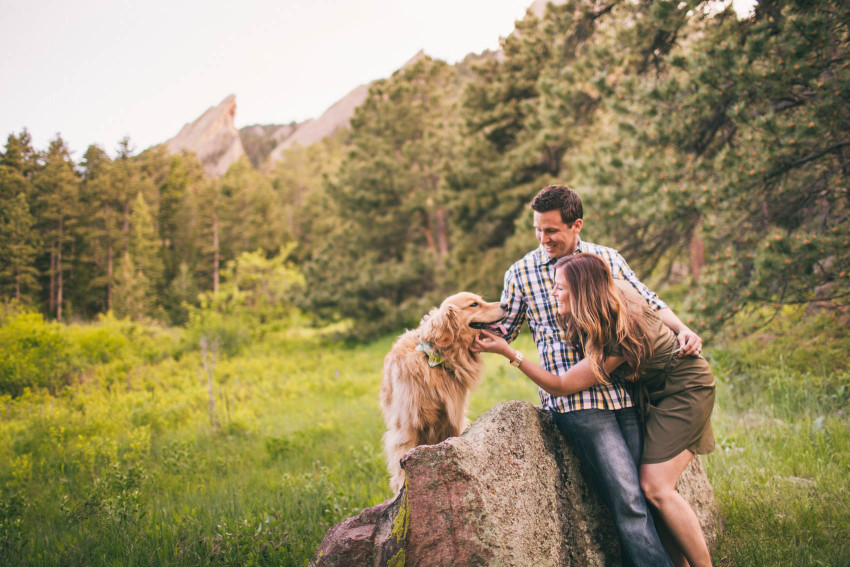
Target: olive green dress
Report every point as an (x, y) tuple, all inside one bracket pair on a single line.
[(675, 395)]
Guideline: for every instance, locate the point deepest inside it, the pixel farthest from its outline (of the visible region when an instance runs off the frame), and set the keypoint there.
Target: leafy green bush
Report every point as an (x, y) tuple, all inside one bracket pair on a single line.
[(33, 353), (110, 339), (227, 333), (102, 343), (255, 291)]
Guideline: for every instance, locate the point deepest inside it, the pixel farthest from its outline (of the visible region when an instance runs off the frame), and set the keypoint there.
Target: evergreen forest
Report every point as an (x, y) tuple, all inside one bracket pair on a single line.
[(707, 148), (150, 316)]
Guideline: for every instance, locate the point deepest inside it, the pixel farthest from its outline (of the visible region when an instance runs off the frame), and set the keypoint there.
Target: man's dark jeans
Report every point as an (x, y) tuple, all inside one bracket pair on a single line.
[(609, 445)]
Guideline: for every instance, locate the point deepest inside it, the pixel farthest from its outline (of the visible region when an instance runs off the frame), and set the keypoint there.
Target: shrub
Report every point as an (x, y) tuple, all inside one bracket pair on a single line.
[(228, 333), (255, 291), (33, 353)]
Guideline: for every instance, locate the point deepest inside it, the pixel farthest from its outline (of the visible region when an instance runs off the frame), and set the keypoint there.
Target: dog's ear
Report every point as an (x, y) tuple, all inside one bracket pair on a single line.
[(441, 328), (430, 326)]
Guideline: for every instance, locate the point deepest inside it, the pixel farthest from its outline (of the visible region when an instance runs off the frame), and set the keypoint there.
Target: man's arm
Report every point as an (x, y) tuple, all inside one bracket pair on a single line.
[(513, 302), (689, 341)]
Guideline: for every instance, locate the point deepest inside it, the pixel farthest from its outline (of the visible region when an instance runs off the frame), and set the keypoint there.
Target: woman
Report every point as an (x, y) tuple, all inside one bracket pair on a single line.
[(623, 339)]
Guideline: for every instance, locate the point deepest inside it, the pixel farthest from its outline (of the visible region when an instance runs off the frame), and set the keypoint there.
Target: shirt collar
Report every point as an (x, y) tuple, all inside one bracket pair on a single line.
[(545, 259)]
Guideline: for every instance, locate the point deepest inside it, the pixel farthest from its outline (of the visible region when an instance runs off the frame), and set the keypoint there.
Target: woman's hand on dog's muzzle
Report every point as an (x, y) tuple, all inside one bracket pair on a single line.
[(490, 342)]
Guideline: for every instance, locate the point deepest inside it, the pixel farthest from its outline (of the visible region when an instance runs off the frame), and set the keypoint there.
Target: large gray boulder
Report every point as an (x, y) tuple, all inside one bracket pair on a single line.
[(509, 491)]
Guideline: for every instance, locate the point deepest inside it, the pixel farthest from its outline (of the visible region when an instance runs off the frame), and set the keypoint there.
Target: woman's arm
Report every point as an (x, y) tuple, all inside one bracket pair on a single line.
[(579, 377)]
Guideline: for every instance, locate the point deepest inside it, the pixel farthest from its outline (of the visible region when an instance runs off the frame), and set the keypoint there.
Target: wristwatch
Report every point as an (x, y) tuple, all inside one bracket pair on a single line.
[(517, 359)]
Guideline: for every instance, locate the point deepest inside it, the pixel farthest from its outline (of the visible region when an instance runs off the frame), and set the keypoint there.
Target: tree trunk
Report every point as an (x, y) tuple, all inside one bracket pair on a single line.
[(442, 232), (697, 249), (109, 271), (126, 227), (208, 370), (51, 297), (216, 258), (18, 284), (429, 236), (59, 276), (110, 263)]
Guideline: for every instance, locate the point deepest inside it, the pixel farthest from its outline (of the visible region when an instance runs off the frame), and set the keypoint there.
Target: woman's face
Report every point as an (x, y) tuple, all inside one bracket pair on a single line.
[(561, 293)]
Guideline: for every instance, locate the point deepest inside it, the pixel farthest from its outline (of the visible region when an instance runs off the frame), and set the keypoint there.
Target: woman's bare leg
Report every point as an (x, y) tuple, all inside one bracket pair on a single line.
[(658, 481), (670, 545)]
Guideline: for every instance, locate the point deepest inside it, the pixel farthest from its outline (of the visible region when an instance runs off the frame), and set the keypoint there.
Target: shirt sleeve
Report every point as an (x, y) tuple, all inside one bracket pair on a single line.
[(513, 302), (622, 271)]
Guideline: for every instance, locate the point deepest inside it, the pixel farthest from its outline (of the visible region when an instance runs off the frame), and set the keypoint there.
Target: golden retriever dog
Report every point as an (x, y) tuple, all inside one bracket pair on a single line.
[(428, 375)]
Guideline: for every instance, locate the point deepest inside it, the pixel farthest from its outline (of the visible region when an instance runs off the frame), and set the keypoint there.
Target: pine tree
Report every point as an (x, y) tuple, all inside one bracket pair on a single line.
[(19, 240), (136, 294), (180, 231), (389, 249), (18, 248), (58, 214), (527, 114), (301, 178), (208, 206), (145, 244), (251, 215), (19, 155), (129, 180), (104, 242), (176, 222), (132, 290), (740, 143)]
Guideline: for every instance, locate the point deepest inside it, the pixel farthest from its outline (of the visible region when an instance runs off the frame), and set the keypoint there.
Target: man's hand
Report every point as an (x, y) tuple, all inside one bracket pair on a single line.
[(689, 342)]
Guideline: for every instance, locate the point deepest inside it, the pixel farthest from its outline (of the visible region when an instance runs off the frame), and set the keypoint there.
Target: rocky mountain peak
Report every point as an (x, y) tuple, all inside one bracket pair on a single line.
[(213, 137), (316, 129), (413, 60), (216, 141)]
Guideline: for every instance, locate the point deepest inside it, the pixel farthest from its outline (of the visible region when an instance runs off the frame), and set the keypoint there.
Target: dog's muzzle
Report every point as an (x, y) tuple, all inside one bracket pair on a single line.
[(493, 327)]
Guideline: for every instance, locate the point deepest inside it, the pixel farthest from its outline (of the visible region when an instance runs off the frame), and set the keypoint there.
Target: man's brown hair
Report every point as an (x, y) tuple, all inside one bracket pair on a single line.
[(559, 198)]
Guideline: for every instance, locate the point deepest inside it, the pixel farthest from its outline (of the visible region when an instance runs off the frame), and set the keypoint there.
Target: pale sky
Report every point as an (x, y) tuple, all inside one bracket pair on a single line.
[(96, 71)]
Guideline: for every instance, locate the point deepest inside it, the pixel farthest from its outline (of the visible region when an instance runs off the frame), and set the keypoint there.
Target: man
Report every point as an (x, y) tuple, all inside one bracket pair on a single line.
[(601, 422)]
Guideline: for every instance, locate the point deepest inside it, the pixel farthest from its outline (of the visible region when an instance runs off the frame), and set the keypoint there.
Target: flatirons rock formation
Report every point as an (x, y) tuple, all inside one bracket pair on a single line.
[(315, 130), (216, 141), (336, 117), (509, 491), (260, 140), (213, 138)]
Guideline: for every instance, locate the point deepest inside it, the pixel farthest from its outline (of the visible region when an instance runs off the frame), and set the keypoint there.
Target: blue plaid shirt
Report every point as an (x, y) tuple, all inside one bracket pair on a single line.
[(527, 295)]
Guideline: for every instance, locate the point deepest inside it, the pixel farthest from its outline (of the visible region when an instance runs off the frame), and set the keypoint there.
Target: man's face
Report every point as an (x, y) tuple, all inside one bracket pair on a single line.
[(557, 238)]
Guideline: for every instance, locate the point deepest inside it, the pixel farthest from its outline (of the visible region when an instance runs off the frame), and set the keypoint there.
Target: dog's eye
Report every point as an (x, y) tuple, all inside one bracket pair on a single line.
[(474, 304)]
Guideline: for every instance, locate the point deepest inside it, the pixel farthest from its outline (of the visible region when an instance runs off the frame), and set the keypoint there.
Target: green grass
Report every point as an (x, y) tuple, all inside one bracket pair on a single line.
[(781, 471), (124, 468), (129, 471)]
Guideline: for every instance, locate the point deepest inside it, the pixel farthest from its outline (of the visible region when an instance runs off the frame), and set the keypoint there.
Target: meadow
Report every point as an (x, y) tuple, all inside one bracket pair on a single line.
[(128, 465)]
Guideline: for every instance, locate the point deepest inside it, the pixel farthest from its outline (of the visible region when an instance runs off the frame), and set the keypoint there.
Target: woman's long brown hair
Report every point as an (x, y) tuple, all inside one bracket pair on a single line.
[(601, 316)]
